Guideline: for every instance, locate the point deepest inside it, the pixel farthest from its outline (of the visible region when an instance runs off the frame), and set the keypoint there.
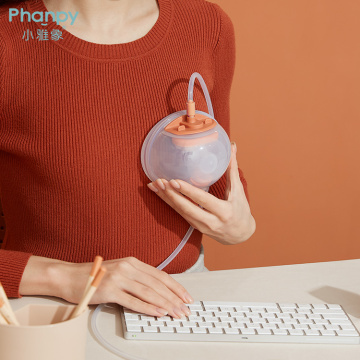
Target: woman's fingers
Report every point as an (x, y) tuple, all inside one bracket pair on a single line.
[(208, 201), (138, 305), (191, 212), (234, 185), (156, 294), (164, 278)]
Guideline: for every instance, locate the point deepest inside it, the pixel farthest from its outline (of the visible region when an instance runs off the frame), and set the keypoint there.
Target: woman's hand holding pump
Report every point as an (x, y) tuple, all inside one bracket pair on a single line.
[(228, 221), (128, 282)]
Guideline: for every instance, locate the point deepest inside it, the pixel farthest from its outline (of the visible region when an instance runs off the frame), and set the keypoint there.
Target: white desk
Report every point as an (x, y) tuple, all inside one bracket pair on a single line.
[(330, 282)]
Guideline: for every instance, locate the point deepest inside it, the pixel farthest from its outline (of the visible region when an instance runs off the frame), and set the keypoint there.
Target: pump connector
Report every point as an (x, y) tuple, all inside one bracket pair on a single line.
[(191, 123)]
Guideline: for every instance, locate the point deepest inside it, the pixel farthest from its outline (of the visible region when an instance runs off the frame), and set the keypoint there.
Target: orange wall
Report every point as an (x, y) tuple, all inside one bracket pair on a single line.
[(296, 121)]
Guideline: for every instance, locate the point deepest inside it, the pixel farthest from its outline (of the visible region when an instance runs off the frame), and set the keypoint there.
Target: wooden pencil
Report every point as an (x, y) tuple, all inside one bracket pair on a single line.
[(8, 315), (88, 294), (7, 307), (94, 270)]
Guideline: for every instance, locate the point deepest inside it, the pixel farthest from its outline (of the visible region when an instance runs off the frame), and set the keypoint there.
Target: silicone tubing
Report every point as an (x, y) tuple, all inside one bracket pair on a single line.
[(172, 256), (205, 90)]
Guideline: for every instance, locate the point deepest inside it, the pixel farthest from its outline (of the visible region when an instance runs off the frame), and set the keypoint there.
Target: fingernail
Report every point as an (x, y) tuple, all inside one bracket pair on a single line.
[(185, 310), (161, 311), (152, 187), (161, 184), (178, 312), (188, 299), (174, 183)]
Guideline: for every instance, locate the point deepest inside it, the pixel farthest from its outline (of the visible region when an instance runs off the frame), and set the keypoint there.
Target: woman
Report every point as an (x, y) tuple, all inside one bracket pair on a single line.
[(77, 102)]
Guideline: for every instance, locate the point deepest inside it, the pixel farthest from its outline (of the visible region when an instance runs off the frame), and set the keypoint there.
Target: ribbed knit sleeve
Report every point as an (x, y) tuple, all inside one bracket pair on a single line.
[(12, 266), (2, 71), (224, 64), (12, 263)]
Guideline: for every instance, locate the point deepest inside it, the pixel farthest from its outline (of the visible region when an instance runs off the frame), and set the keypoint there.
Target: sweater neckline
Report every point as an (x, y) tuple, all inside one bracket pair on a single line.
[(132, 49)]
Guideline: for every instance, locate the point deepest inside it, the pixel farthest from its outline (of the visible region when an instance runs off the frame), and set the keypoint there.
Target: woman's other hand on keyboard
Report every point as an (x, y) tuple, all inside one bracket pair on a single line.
[(128, 282)]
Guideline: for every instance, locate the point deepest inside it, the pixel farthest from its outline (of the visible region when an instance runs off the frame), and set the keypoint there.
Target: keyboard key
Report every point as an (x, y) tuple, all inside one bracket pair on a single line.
[(133, 328), (237, 325), (221, 325), (272, 316), (222, 314), (301, 326), (275, 310), (206, 313), (248, 331), (319, 306), (205, 324), (264, 331), (198, 330), (226, 308), (270, 326), (167, 329), (231, 331), (195, 318), (211, 308), (280, 332), (284, 316), (287, 305), (183, 330), (139, 323), (156, 323), (240, 318), (334, 316), (304, 311), (333, 327), (340, 322), (328, 311), (346, 327), (200, 303), (289, 311), (333, 306), (189, 323), (257, 309), (149, 329), (299, 316), (314, 316), (327, 332), (275, 321), (194, 307), (285, 326), (347, 333), (253, 326), (312, 332), (316, 327), (296, 332), (131, 316), (166, 318), (304, 306), (216, 330)]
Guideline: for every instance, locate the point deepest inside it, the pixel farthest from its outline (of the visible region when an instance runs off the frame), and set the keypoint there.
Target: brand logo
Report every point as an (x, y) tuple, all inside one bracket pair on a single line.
[(40, 17)]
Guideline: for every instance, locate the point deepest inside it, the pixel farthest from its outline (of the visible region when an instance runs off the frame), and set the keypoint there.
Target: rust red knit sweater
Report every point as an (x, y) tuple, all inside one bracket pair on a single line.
[(73, 117)]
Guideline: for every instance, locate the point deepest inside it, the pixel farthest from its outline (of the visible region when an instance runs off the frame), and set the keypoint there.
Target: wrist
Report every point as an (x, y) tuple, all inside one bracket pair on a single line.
[(40, 277)]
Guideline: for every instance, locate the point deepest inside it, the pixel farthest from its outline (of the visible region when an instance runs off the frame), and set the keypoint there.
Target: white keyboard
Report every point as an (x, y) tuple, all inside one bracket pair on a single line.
[(247, 322)]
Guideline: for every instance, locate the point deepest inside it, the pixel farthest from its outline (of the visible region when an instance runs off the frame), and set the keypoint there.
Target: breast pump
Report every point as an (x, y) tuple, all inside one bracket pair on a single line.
[(188, 145)]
